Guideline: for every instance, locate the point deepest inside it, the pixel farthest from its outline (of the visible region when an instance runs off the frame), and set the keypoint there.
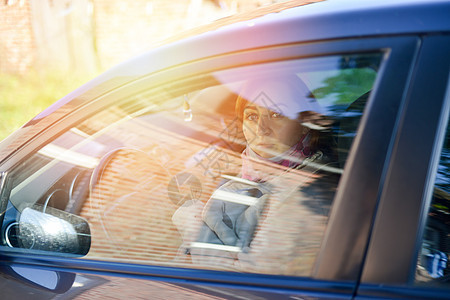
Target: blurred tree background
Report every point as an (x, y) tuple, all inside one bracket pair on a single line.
[(50, 47)]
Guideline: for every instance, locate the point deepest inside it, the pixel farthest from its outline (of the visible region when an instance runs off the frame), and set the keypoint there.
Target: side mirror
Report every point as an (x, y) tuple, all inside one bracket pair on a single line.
[(46, 230), (51, 230), (41, 280)]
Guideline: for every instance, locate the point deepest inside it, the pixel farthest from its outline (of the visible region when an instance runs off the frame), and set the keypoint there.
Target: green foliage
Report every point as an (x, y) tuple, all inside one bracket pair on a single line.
[(348, 85), (23, 97)]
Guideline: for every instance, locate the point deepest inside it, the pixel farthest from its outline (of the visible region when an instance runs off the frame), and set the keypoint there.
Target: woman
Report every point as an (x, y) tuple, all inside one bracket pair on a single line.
[(276, 117), (282, 124)]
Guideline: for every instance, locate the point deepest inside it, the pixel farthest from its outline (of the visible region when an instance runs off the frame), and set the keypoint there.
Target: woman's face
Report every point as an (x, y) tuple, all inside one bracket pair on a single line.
[(269, 133)]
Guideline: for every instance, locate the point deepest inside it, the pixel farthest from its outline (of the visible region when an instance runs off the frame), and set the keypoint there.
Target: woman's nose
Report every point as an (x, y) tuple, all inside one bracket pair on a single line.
[(263, 126)]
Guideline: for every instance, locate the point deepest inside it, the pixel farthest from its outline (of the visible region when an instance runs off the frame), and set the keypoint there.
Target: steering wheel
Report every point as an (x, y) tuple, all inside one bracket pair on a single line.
[(129, 210)]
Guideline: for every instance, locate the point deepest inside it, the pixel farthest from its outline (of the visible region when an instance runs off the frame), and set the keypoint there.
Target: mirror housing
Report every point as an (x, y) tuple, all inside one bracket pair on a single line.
[(42, 280)]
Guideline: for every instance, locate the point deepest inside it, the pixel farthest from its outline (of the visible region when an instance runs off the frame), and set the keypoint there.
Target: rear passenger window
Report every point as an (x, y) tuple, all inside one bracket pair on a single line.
[(433, 263), (230, 170)]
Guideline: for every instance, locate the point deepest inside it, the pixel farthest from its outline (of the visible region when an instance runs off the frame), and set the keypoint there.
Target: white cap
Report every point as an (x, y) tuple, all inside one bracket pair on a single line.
[(285, 94)]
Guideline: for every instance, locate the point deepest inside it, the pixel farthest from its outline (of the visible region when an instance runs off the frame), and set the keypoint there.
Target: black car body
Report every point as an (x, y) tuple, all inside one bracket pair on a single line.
[(111, 162)]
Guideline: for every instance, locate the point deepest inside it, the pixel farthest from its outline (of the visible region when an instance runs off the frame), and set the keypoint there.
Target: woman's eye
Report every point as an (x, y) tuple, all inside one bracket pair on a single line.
[(251, 117), (275, 115)]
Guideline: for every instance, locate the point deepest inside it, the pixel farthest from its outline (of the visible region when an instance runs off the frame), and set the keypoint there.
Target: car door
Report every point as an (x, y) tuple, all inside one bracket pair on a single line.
[(126, 179), (408, 252)]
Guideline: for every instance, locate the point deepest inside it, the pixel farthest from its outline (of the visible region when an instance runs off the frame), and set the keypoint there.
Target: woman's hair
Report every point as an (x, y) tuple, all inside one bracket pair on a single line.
[(241, 103)]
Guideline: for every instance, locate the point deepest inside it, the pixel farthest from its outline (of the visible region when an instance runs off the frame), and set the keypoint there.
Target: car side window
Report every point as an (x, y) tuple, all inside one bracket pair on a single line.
[(433, 265), (234, 170)]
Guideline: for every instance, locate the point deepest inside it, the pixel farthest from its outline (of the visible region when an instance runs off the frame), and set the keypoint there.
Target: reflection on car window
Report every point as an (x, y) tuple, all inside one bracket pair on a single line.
[(433, 263), (231, 170)]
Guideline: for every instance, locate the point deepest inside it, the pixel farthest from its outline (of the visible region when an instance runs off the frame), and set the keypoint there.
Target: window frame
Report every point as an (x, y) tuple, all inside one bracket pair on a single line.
[(391, 81), (397, 234)]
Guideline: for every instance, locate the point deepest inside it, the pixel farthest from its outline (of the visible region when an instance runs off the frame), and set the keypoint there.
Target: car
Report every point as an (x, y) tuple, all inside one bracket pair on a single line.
[(151, 180)]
